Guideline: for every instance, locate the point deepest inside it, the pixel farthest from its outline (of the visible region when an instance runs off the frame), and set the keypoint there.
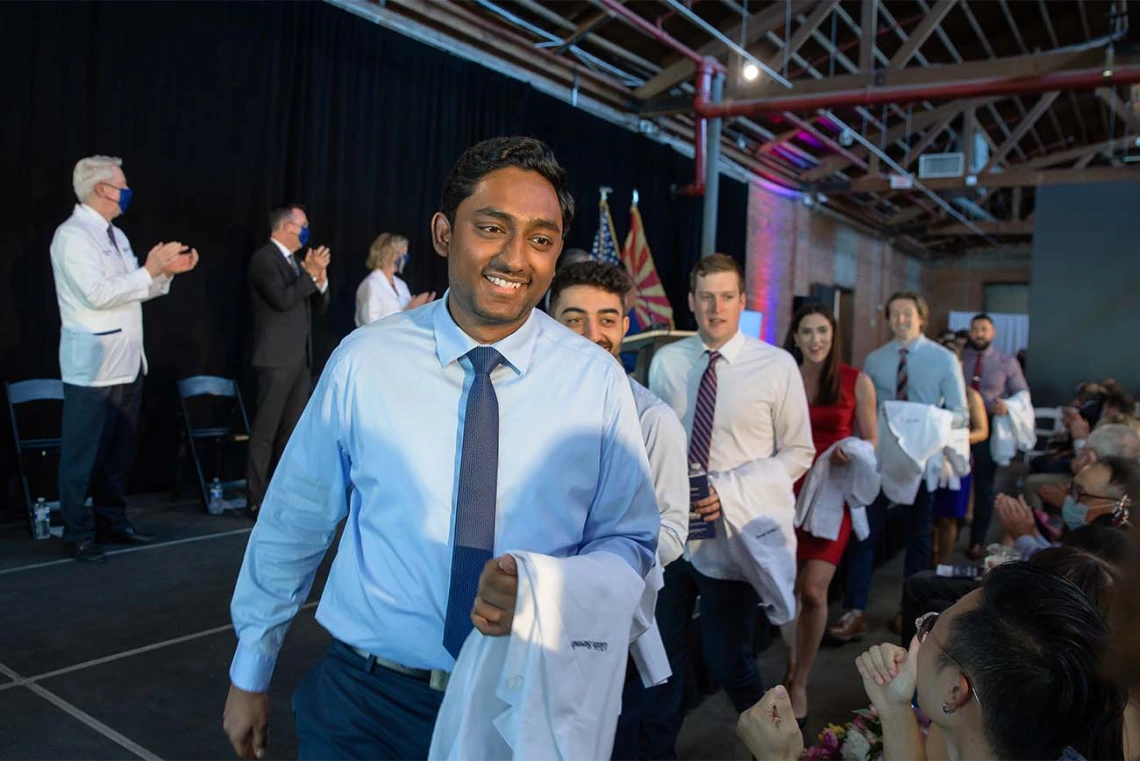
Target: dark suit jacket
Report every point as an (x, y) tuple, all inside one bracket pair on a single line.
[(283, 302)]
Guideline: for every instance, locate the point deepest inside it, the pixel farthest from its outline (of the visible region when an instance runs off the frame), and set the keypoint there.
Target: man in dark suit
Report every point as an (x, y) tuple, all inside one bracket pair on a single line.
[(285, 289)]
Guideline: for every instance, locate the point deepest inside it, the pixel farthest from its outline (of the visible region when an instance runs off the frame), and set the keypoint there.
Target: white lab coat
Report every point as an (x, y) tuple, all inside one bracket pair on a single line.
[(552, 689), (947, 468), (759, 511), (1014, 432), (828, 487), (910, 434), (647, 649)]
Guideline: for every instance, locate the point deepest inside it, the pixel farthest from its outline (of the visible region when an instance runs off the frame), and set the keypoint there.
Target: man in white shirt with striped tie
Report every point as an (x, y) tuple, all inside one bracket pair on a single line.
[(100, 288), (744, 405)]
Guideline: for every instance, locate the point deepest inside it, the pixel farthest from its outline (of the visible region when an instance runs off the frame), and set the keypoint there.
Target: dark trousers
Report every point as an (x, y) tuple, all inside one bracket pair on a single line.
[(926, 592), (728, 612), (282, 393), (919, 521), (984, 470), (348, 708), (627, 738), (96, 449)]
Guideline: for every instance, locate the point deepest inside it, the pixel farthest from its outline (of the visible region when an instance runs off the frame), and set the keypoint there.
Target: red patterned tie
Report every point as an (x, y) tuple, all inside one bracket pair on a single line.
[(900, 381), (704, 414)]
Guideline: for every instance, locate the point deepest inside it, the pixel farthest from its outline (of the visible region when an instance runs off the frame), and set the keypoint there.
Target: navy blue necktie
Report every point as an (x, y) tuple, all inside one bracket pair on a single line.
[(475, 500), (111, 235)]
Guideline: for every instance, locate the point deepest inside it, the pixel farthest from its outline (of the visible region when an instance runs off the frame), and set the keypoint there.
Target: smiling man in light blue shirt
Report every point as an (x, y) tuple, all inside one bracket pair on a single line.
[(406, 438)]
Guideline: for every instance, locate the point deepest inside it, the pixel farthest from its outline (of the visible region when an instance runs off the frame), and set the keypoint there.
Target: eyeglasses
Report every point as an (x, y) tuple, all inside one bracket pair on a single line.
[(1079, 494), (924, 628)]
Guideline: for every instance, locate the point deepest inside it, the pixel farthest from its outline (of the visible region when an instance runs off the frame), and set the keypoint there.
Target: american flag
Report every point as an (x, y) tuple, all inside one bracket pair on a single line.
[(652, 306), (605, 240)]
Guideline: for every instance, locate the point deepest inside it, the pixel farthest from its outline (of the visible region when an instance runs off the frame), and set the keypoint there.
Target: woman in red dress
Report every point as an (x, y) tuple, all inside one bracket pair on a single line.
[(841, 404)]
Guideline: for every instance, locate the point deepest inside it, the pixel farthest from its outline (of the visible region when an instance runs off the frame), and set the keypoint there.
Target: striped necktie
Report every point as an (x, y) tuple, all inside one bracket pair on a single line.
[(475, 499), (900, 382), (704, 414)]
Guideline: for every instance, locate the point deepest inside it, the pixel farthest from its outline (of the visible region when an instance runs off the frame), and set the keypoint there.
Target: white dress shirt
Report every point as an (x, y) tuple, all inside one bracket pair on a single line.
[(100, 288), (668, 448), (377, 297), (934, 376), (761, 414), (380, 442), (321, 287)]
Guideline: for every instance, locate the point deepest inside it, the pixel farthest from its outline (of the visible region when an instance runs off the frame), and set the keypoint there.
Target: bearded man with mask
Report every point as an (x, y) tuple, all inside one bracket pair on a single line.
[(286, 290), (996, 377), (100, 288)]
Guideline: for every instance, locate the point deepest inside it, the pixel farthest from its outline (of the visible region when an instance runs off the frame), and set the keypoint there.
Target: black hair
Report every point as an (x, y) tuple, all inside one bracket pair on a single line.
[(981, 316), (1033, 650), (596, 274), (961, 334), (1110, 543), (283, 213), (500, 153)]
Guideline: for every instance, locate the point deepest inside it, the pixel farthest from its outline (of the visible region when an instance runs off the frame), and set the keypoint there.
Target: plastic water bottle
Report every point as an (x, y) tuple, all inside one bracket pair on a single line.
[(216, 505), (41, 525)]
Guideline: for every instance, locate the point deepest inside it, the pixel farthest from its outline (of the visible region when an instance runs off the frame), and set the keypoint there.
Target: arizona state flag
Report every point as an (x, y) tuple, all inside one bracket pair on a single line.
[(652, 305)]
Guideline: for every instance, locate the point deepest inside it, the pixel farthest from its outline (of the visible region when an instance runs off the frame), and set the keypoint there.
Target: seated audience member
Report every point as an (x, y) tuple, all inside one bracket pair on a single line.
[(383, 291), (1097, 494), (1010, 671), (1111, 440), (1055, 463), (1124, 661), (962, 338), (1118, 407), (950, 505)]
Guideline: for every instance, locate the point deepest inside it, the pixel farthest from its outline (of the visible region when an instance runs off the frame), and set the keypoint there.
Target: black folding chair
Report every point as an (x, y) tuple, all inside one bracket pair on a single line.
[(28, 392), (228, 427)]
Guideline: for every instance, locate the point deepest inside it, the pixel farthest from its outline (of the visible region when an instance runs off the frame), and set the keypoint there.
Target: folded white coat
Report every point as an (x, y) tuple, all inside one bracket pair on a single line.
[(1015, 431), (909, 435), (552, 688), (647, 650), (947, 468), (828, 487), (758, 535)]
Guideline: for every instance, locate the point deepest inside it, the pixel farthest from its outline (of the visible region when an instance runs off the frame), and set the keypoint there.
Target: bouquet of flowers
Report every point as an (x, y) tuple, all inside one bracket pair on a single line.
[(861, 739)]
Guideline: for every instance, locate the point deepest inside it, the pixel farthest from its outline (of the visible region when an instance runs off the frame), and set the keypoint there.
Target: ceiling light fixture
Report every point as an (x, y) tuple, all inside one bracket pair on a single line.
[(750, 72)]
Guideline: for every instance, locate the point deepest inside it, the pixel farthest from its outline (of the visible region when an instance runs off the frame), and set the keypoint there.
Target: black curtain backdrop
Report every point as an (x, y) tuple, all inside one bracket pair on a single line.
[(221, 110)]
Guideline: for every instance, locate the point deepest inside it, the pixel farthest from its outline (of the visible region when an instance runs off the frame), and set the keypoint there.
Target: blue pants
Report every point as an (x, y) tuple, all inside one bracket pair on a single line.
[(984, 471), (348, 708), (861, 555), (97, 446), (728, 611)]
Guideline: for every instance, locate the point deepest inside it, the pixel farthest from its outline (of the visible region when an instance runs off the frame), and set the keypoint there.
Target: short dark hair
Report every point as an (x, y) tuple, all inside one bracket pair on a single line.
[(919, 303), (279, 215), (1122, 472), (525, 153), (715, 263), (1110, 543), (981, 316), (595, 274), (962, 334), (572, 256), (1032, 650)]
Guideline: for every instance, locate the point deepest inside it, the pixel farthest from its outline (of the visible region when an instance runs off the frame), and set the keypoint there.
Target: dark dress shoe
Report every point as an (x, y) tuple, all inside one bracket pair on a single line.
[(87, 552), (128, 535)]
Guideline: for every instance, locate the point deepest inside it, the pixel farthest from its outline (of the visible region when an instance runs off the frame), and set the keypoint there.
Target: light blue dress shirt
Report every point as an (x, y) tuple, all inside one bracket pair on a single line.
[(933, 376), (379, 443)]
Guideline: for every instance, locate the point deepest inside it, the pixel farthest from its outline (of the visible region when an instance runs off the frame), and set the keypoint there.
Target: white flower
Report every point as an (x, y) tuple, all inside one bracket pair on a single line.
[(855, 747)]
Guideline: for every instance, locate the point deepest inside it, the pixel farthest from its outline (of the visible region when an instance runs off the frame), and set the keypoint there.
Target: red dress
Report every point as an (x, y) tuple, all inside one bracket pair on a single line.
[(830, 424)]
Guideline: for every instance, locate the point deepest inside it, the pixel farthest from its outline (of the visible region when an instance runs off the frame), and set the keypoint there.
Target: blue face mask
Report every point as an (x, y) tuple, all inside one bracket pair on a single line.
[(303, 236), (1074, 513), (401, 263), (124, 199)]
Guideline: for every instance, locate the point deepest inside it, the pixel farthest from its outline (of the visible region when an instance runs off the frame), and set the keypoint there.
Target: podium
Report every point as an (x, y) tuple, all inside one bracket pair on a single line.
[(645, 345)]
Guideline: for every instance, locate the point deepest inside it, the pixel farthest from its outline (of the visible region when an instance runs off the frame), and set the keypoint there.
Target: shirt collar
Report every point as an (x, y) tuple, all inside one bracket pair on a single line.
[(731, 349), (909, 346), (288, 254), (89, 211), (451, 342)]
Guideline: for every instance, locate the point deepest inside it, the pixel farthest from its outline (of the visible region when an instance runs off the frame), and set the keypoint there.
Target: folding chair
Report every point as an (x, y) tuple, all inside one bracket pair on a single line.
[(1047, 422), (27, 392), (233, 429)]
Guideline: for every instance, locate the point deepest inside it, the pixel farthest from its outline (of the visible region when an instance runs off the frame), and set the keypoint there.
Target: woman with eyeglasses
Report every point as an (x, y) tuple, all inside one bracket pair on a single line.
[(1011, 671)]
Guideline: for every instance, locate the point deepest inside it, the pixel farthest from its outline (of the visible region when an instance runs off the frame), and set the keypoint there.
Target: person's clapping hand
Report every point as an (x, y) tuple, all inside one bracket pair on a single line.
[(184, 262), (769, 728), (889, 675), (420, 299), (1015, 515)]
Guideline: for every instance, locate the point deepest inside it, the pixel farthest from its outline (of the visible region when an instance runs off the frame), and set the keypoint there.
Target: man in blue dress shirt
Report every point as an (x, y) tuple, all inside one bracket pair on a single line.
[(446, 436)]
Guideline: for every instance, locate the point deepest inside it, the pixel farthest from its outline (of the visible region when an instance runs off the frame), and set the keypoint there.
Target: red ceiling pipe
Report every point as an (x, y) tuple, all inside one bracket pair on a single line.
[(1082, 79), (706, 67)]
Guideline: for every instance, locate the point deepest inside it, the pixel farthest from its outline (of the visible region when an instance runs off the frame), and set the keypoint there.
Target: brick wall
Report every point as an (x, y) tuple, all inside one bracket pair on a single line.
[(960, 287), (792, 246)]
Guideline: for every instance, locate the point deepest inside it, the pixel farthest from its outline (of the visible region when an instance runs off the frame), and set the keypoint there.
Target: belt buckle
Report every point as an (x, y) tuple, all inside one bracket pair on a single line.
[(439, 680)]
